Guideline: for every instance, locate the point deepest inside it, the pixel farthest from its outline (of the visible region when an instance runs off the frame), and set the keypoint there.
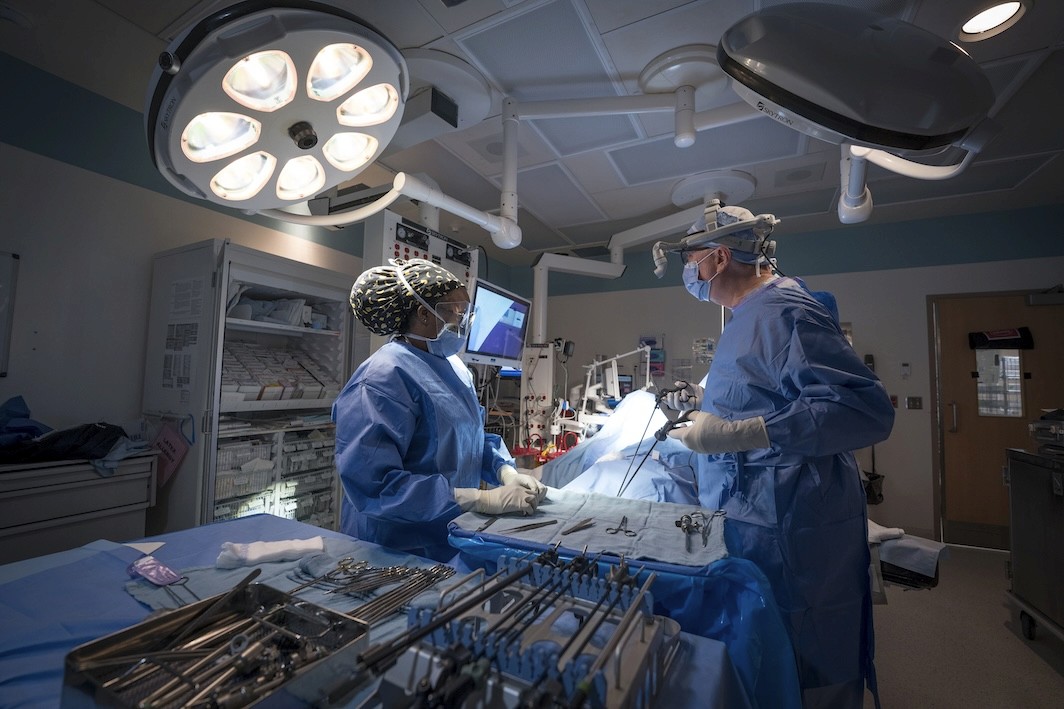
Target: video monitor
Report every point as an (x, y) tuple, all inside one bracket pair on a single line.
[(500, 323)]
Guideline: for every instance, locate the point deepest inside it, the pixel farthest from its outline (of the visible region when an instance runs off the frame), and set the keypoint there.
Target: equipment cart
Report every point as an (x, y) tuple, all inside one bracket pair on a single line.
[(1036, 508)]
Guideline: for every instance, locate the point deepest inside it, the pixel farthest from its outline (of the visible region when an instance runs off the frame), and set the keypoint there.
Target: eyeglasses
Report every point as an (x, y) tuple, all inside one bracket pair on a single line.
[(687, 257)]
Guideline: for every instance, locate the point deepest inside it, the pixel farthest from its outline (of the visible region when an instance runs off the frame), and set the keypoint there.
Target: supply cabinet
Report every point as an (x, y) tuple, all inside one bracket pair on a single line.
[(57, 505), (1036, 507), (247, 351)]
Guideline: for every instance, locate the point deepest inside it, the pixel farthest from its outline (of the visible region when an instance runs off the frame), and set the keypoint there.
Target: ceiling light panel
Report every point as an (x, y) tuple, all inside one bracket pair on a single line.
[(796, 205), (550, 190), (567, 64), (612, 14), (744, 143), (569, 136), (978, 178), (481, 147)]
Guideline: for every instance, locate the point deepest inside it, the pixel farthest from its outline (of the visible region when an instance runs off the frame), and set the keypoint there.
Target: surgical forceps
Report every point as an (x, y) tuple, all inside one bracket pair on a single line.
[(622, 527), (533, 525), (582, 524), (344, 567)]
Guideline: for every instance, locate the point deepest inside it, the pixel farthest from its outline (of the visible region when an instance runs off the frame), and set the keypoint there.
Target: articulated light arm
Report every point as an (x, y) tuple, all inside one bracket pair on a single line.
[(504, 232), (855, 202)]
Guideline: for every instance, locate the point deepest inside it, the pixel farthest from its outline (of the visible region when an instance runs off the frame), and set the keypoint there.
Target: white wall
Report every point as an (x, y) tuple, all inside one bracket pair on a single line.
[(85, 244), (888, 311)]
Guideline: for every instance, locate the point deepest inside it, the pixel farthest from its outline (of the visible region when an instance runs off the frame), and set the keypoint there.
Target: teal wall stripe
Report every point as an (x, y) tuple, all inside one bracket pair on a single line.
[(47, 115)]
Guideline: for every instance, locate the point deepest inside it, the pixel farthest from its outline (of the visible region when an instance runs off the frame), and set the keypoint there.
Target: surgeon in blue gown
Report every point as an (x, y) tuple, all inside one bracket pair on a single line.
[(785, 403), (410, 441)]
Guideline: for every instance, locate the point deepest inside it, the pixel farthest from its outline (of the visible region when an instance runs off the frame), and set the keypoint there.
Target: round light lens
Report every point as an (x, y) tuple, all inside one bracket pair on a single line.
[(369, 107), (336, 70), (990, 18), (264, 81), (244, 178), (300, 178), (350, 151), (212, 136)]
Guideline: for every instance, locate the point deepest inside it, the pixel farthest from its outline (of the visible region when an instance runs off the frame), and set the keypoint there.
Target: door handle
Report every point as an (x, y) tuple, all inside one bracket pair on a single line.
[(953, 408)]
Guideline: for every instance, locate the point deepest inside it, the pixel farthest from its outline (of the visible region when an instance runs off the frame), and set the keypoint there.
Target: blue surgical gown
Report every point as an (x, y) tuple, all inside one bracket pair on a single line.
[(409, 429), (797, 509)]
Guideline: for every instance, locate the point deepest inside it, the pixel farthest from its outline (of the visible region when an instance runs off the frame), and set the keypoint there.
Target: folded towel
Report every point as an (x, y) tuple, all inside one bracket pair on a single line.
[(234, 555), (877, 533)]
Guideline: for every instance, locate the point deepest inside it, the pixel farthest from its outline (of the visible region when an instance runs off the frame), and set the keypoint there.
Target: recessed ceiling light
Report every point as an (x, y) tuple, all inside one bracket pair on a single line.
[(993, 20)]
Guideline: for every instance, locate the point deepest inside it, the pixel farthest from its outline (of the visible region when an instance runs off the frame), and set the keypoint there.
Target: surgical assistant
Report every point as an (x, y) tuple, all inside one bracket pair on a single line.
[(786, 402), (410, 440)]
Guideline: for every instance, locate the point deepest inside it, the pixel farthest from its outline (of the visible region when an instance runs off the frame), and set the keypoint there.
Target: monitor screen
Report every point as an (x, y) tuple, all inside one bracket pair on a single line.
[(497, 333)]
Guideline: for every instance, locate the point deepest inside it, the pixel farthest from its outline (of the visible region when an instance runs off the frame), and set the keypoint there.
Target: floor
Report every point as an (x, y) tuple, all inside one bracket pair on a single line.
[(960, 645)]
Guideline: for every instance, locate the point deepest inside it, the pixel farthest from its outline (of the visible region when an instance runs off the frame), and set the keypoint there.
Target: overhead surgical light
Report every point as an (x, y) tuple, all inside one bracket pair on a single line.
[(874, 84), (259, 107), (992, 21)]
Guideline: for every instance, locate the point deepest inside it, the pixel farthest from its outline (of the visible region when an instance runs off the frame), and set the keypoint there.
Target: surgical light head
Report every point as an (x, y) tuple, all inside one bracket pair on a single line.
[(745, 234)]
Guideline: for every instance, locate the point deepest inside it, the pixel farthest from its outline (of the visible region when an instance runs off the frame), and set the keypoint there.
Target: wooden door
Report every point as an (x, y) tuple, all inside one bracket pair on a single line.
[(971, 444)]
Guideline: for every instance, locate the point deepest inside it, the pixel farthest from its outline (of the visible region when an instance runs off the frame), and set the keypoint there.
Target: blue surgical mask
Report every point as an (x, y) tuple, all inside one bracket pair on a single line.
[(447, 343), (698, 288)]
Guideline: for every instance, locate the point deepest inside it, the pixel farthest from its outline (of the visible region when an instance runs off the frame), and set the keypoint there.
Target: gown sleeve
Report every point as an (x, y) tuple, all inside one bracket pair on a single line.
[(836, 404)]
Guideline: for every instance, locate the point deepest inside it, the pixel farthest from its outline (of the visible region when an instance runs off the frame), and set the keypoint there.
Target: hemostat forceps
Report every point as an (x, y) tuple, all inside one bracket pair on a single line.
[(622, 527)]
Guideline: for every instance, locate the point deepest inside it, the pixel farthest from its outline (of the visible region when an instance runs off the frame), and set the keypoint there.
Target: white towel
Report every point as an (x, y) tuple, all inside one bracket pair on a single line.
[(877, 533), (234, 555)]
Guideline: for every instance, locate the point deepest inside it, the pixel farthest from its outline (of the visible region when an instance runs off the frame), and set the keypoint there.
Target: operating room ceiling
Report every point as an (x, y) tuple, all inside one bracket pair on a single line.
[(580, 180)]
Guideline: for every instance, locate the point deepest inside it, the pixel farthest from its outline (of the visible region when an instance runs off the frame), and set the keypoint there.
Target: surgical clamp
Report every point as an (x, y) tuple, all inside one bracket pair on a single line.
[(533, 525), (487, 524), (582, 524), (622, 527)]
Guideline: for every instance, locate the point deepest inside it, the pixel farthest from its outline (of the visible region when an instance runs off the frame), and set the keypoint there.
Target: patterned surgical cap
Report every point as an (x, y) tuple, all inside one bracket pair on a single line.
[(383, 303)]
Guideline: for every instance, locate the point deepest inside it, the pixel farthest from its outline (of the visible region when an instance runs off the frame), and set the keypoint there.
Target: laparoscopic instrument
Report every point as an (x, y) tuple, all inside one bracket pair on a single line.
[(675, 418)]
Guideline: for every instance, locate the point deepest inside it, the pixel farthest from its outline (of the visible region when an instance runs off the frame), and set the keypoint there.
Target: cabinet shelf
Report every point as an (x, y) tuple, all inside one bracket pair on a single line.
[(259, 326), (275, 405)]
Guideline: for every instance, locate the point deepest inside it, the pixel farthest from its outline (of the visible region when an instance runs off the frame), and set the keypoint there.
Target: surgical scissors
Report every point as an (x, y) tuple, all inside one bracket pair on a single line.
[(622, 527)]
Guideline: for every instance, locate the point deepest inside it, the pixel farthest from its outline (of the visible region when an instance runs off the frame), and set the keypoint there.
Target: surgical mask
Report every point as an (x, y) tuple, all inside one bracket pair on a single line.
[(697, 288), (448, 342)]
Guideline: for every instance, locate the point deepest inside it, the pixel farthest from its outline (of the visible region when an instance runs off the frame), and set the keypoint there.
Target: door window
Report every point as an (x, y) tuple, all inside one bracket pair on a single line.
[(999, 385)]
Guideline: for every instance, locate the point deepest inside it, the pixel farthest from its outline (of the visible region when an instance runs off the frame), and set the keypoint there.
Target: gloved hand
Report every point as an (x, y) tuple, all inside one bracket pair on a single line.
[(712, 434), (687, 399), (509, 476), (496, 501)]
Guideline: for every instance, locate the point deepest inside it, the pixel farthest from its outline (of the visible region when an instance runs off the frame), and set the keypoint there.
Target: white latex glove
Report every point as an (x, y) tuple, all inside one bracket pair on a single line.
[(711, 434), (496, 501), (509, 476), (687, 399)]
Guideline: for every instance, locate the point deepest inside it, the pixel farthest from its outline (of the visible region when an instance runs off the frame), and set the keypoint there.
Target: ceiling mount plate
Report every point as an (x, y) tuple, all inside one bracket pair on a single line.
[(729, 186), (690, 65), (460, 81)]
